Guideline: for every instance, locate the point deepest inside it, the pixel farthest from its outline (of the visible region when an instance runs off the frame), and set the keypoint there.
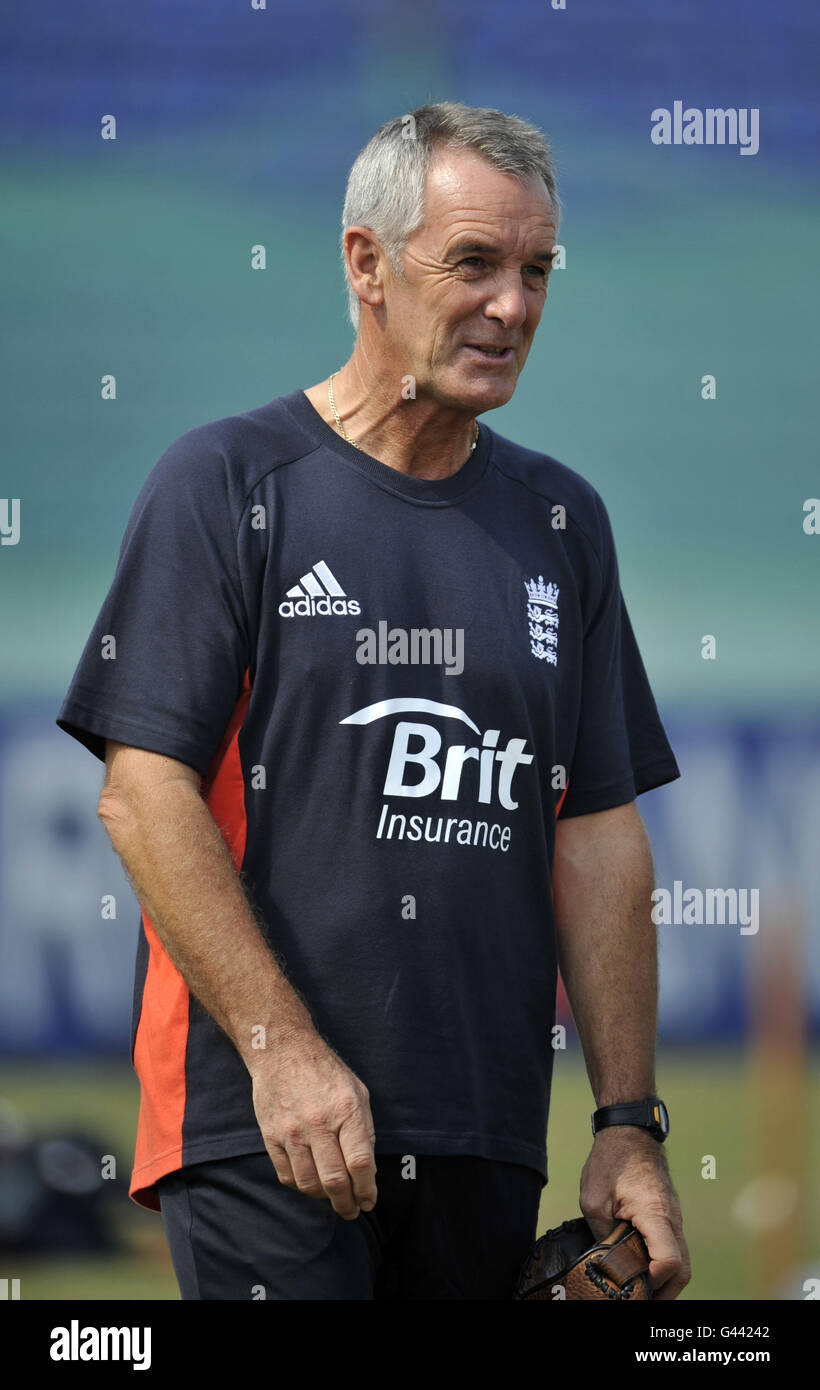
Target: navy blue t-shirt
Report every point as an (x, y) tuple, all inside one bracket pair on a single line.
[(391, 687)]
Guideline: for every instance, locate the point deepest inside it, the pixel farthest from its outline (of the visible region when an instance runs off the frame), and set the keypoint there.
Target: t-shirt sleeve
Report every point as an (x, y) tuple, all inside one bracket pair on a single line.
[(621, 748), (165, 662)]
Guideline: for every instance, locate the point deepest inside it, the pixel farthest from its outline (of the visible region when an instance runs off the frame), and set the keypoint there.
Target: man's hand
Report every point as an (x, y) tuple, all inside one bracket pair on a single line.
[(314, 1114), (626, 1178)]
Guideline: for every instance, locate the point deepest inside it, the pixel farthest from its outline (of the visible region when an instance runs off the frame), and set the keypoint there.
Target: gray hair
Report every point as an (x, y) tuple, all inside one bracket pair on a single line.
[(385, 187)]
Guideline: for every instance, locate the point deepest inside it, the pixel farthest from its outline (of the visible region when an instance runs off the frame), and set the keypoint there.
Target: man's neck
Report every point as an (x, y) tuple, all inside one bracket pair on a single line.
[(416, 437)]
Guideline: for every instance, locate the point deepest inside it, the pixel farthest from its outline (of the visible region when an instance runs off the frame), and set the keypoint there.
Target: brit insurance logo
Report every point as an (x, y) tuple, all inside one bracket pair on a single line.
[(317, 594), (419, 767), (542, 612)]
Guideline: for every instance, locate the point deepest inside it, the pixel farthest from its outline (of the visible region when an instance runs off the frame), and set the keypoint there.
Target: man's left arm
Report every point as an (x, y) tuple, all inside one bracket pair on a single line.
[(607, 953)]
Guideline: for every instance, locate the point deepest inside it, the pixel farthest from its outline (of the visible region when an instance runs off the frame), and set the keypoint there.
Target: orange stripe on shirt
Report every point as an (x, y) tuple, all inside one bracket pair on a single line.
[(162, 1033)]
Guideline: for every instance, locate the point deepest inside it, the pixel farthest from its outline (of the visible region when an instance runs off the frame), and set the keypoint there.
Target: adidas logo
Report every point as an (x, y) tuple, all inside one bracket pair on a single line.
[(317, 592)]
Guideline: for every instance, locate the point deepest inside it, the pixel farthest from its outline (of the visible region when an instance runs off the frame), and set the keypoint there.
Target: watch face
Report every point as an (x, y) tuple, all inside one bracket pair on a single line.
[(660, 1115)]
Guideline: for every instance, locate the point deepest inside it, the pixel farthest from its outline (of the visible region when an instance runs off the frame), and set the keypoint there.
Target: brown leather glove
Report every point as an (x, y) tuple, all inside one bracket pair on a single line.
[(569, 1263)]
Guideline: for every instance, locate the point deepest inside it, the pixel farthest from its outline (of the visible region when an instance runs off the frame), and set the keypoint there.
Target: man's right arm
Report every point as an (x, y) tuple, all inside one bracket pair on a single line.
[(314, 1113)]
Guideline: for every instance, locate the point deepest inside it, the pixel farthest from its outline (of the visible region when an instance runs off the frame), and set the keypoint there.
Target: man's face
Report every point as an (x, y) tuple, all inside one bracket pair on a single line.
[(476, 277)]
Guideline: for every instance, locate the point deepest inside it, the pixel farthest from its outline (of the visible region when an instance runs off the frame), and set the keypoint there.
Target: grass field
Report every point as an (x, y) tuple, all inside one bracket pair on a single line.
[(714, 1109)]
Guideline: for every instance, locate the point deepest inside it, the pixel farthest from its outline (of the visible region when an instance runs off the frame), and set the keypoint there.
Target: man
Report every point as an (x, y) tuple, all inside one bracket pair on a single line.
[(374, 722)]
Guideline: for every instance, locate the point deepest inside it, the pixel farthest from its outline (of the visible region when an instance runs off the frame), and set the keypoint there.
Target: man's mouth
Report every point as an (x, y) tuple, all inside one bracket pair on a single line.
[(498, 354)]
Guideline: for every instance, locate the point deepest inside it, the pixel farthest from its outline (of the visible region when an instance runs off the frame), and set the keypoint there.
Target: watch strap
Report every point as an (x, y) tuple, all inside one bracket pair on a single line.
[(645, 1114)]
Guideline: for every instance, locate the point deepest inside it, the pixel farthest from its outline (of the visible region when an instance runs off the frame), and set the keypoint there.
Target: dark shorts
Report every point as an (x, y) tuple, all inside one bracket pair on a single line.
[(460, 1229)]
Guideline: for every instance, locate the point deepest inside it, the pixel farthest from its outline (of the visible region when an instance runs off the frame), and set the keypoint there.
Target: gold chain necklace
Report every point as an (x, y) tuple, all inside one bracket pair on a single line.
[(346, 436)]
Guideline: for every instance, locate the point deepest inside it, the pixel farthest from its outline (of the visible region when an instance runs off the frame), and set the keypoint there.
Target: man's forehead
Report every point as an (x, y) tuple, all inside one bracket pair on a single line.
[(464, 191)]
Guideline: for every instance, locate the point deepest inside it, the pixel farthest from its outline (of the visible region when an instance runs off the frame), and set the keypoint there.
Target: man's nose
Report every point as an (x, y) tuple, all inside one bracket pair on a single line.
[(507, 301)]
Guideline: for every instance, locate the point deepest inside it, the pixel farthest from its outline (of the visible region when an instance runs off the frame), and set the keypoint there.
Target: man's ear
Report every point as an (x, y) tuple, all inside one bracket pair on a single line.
[(366, 263)]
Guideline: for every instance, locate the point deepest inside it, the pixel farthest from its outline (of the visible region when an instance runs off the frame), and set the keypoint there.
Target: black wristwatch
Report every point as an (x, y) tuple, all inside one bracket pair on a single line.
[(650, 1114)]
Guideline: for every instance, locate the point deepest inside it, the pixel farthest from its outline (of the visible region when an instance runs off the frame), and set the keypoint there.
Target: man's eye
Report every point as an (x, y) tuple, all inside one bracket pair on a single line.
[(475, 261)]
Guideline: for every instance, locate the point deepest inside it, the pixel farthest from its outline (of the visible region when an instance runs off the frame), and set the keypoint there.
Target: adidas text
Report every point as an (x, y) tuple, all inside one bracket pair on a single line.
[(318, 594), (315, 607)]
